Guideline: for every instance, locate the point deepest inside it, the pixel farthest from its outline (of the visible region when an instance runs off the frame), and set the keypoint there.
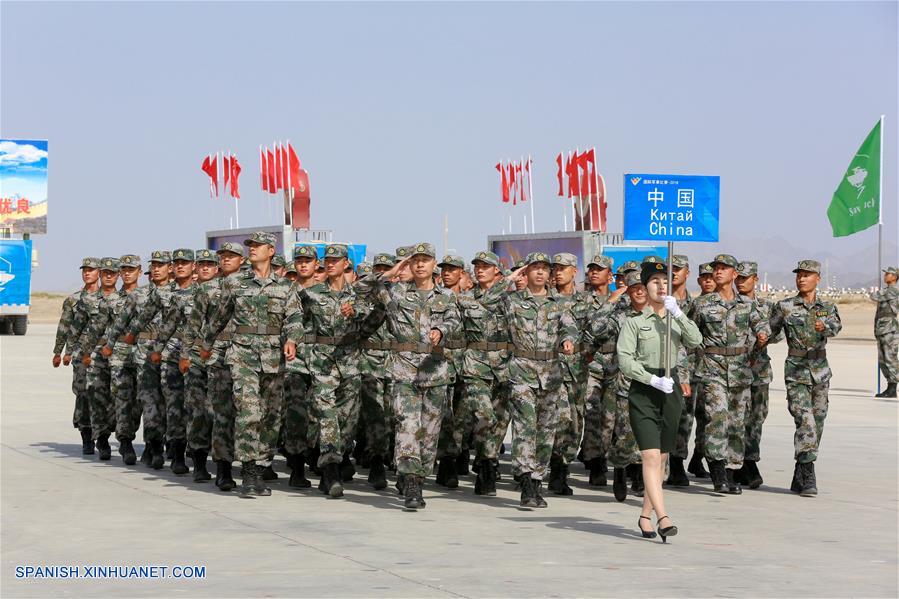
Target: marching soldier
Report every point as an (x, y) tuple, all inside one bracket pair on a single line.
[(807, 322), (694, 406), (81, 419), (886, 330)]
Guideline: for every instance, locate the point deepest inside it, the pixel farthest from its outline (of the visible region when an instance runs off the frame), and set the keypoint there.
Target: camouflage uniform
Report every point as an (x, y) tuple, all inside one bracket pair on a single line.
[(456, 426), (806, 372), (538, 325), (886, 330), (729, 330), (420, 373)]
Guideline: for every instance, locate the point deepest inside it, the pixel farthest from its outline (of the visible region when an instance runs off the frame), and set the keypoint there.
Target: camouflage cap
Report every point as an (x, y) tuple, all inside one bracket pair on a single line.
[(452, 260), (205, 255), (183, 254), (632, 278), (363, 269), (336, 250), (629, 266), (601, 261), (809, 266), (404, 251), (384, 259), (109, 263), (487, 257), (706, 268), (290, 268), (278, 261), (261, 237), (680, 261), (653, 260), (520, 263), (424, 249), (161, 256), (129, 260), (565, 259), (230, 246), (747, 269), (305, 251), (90, 262), (892, 270), (538, 257), (725, 259)]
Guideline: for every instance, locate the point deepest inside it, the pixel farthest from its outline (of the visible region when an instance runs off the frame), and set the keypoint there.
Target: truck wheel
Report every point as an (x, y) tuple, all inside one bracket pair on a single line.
[(5, 326), (20, 325)]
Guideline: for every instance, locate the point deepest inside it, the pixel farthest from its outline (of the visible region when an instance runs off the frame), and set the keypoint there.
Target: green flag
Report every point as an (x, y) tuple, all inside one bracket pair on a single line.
[(856, 202)]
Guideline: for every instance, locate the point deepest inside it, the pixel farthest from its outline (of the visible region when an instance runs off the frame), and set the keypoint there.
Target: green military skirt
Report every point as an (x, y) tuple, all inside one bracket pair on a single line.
[(655, 416)]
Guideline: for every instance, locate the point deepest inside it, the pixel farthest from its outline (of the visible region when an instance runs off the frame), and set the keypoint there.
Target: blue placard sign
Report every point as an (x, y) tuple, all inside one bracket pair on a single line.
[(671, 207)]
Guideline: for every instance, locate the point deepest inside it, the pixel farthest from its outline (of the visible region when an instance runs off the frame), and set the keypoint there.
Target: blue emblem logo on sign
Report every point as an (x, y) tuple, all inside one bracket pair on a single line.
[(671, 207)]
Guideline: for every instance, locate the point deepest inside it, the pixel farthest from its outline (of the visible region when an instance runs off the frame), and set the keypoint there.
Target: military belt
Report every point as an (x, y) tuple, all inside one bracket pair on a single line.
[(418, 348), (223, 336), (147, 335), (531, 354), (308, 339), (332, 341), (258, 330), (454, 344), (810, 354), (607, 348), (725, 351), (489, 346), (382, 345)]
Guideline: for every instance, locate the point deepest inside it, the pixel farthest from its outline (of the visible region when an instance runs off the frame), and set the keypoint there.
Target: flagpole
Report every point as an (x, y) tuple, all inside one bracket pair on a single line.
[(531, 190), (880, 229), (231, 177), (574, 198)]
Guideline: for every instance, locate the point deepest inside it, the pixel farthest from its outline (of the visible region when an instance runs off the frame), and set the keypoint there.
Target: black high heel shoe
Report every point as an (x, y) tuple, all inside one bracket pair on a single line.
[(646, 535), (668, 531)]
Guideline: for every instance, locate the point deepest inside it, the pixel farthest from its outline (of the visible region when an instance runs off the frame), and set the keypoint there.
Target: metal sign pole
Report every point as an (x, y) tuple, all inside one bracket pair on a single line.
[(668, 315)]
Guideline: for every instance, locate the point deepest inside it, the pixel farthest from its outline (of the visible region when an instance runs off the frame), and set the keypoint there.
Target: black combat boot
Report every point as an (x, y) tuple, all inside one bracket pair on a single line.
[(751, 475), (696, 468), (496, 474), (676, 475), (809, 482), (201, 474), (597, 468), (347, 470), (555, 475), (538, 492), (259, 487), (126, 450), (268, 473), (450, 478), (223, 479), (411, 493), (169, 450), (890, 391), (146, 456), (332, 472), (485, 483), (619, 484), (248, 474), (422, 504), (528, 495), (719, 476), (637, 479), (157, 447), (733, 487), (796, 484), (179, 466), (103, 447), (312, 456), (566, 489), (377, 474), (298, 478), (400, 484), (462, 468), (87, 443)]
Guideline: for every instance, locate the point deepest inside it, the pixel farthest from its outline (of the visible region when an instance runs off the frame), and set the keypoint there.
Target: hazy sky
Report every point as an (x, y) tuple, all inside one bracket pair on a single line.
[(400, 111)]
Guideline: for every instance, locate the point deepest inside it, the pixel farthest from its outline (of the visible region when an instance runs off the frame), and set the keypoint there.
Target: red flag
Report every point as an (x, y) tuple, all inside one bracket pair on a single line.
[(284, 169), (559, 175), (527, 168), (301, 199), (520, 182), (210, 167), (601, 193), (235, 173), (293, 167), (584, 164), (270, 171), (571, 169), (513, 183), (263, 169), (226, 171), (279, 182), (504, 182)]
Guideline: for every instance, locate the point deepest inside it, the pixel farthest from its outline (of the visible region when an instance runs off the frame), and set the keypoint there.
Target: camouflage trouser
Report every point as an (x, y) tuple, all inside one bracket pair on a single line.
[(298, 422), (888, 356), (755, 418), (694, 406), (623, 449), (808, 406), (725, 409), (102, 408), (377, 416), (257, 403), (150, 395), (198, 407), (502, 411), (173, 393), (572, 402), (220, 394), (535, 417), (417, 413), (81, 417), (596, 438), (457, 423), (336, 401), (123, 373), (481, 397)]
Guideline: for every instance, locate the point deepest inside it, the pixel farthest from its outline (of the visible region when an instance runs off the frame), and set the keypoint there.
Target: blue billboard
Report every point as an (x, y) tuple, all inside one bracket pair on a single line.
[(671, 207)]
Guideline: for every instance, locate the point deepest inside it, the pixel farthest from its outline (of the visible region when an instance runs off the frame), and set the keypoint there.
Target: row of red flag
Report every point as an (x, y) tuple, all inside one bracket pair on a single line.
[(280, 169), (513, 176), (230, 173)]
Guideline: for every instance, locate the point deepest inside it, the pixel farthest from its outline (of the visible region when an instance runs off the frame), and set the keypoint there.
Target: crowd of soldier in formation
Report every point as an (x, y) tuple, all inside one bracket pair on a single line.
[(239, 355)]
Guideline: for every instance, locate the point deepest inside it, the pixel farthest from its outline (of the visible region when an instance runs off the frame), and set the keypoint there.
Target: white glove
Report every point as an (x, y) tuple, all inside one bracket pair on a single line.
[(663, 383), (672, 307)]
